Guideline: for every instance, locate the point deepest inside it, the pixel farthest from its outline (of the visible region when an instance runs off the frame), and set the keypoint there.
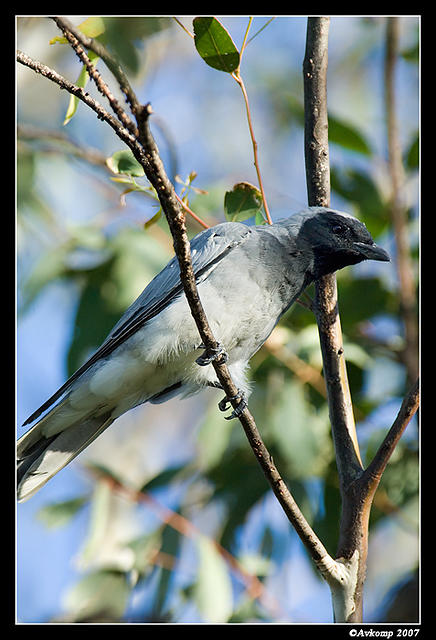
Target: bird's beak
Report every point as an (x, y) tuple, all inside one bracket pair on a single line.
[(371, 251)]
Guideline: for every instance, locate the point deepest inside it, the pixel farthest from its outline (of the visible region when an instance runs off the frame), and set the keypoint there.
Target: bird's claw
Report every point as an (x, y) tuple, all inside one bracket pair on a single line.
[(223, 405), (210, 355)]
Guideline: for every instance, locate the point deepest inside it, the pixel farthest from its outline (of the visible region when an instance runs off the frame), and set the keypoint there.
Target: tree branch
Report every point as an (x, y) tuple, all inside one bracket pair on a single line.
[(357, 485), (237, 76), (316, 148), (60, 142), (255, 588), (66, 27), (346, 604), (82, 95), (182, 248), (146, 152), (108, 59), (378, 464), (326, 301)]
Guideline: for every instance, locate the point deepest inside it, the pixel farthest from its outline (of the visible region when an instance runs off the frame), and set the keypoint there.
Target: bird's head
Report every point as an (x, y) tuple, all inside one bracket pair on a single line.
[(337, 240)]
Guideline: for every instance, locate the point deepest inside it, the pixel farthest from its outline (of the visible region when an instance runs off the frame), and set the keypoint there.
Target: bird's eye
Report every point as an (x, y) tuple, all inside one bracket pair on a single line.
[(338, 229)]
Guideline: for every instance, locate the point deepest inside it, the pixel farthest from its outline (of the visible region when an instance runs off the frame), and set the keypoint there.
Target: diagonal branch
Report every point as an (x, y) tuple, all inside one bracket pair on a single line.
[(176, 221), (82, 95), (108, 59), (66, 26), (146, 152), (155, 173), (408, 409), (178, 522)]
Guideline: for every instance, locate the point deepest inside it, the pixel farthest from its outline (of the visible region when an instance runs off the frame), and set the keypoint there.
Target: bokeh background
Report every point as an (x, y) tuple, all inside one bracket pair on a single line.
[(125, 533)]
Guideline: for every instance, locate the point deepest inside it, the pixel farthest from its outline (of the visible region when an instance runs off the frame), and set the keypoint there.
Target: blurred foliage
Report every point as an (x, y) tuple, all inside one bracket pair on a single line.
[(110, 262)]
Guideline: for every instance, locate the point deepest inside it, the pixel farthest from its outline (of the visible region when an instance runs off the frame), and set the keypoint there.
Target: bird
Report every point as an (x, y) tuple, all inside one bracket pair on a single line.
[(247, 278)]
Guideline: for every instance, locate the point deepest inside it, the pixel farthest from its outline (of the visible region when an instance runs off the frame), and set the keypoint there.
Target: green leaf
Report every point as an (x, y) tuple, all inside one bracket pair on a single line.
[(242, 202), (125, 162), (259, 218), (301, 433), (412, 155), (347, 136), (80, 82), (163, 478), (125, 35), (91, 27), (411, 54), (59, 514), (213, 589), (361, 189), (100, 514), (214, 44), (157, 216), (74, 101), (171, 542), (213, 438), (50, 266), (145, 547), (100, 596)]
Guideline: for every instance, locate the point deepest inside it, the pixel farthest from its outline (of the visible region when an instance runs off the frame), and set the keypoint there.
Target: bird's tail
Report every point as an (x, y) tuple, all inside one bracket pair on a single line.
[(40, 458)]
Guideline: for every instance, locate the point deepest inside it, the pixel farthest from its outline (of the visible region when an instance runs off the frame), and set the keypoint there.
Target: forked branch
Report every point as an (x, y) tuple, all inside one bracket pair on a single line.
[(357, 486)]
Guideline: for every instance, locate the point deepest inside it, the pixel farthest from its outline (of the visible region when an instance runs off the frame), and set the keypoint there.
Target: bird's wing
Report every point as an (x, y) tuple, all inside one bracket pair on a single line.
[(208, 248)]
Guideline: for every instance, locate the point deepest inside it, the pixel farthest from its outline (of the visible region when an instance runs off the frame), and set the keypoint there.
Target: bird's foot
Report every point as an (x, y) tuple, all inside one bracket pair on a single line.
[(210, 355), (223, 405)]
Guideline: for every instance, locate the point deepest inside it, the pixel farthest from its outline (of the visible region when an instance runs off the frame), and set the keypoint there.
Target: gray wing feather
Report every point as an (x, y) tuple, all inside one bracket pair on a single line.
[(207, 249)]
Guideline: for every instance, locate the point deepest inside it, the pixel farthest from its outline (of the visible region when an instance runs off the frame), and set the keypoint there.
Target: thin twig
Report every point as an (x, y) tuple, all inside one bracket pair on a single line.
[(408, 409), (261, 29), (80, 93), (236, 75), (108, 59), (238, 78), (191, 213), (244, 42), (183, 27), (93, 72), (54, 140), (185, 527)]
